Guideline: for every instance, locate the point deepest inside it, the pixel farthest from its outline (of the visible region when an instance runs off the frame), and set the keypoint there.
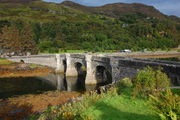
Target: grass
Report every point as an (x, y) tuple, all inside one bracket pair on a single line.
[(176, 91), (34, 66), (73, 51), (105, 106), (121, 107), (80, 51), (4, 61), (2, 58)]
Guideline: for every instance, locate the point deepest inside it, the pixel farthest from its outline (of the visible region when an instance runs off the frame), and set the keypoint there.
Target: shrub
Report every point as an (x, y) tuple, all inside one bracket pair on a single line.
[(126, 82), (149, 80), (74, 110), (166, 104), (53, 50)]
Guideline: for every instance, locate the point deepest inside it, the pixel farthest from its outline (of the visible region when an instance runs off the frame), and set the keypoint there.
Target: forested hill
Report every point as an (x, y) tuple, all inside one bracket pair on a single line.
[(73, 26), (118, 9)]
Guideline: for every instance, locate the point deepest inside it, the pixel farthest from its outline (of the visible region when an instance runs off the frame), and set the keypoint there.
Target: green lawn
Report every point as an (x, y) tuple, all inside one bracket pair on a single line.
[(121, 107)]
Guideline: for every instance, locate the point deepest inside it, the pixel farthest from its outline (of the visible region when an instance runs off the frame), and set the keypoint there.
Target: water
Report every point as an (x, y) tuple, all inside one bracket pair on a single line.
[(10, 87)]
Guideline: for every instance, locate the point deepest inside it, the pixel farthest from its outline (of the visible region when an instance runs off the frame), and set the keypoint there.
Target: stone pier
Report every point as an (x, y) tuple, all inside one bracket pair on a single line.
[(90, 76), (60, 66), (71, 70)]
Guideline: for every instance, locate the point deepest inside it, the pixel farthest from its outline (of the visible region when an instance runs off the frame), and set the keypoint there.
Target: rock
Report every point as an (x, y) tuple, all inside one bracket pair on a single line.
[(23, 66)]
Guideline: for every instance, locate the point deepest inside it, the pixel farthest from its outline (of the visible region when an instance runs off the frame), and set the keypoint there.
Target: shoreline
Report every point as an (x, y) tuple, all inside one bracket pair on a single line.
[(25, 105), (15, 70)]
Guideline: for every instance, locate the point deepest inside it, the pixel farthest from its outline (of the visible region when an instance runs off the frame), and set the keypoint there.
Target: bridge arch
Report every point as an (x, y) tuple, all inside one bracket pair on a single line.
[(102, 75), (80, 68), (64, 65)]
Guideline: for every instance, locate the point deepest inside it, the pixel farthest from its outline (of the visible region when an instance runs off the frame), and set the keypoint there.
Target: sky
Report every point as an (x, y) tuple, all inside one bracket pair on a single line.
[(168, 7)]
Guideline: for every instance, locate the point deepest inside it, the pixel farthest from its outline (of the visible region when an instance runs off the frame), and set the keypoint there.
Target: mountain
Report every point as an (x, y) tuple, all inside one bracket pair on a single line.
[(69, 25), (174, 18), (118, 9), (17, 1), (115, 10)]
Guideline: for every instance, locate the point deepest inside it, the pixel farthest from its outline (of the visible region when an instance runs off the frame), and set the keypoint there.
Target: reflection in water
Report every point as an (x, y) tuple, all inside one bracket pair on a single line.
[(61, 83), (18, 86), (31, 85), (72, 83)]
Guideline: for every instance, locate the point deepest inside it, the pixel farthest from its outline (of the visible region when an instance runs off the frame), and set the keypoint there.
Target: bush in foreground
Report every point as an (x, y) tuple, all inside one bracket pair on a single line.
[(155, 85), (167, 105), (148, 80), (74, 110), (97, 106), (126, 82)]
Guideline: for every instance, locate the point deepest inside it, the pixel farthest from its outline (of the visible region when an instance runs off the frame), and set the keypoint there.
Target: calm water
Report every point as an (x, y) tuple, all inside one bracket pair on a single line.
[(10, 87)]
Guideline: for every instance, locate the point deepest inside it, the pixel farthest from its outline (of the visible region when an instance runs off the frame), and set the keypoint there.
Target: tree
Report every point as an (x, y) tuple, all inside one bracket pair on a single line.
[(60, 43), (10, 40), (15, 41), (28, 44)]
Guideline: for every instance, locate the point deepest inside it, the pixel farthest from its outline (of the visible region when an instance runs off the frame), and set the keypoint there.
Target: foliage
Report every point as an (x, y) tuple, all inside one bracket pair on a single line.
[(176, 91), (126, 82), (166, 104), (110, 105), (66, 28), (148, 80), (102, 106), (74, 110), (121, 107), (18, 42), (123, 84)]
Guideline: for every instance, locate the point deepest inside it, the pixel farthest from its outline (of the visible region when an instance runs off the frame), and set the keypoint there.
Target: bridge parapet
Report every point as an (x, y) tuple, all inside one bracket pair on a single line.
[(46, 60), (78, 56)]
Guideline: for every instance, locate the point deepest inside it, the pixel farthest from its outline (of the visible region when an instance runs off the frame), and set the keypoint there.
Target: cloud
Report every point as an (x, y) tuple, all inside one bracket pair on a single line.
[(169, 7)]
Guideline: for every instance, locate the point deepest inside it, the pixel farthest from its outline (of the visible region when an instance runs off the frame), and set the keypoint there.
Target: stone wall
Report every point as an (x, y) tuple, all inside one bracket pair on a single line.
[(46, 60), (128, 67)]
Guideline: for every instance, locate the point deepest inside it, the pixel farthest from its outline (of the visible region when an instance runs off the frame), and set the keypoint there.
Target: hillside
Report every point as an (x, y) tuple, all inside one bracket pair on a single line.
[(18, 1), (67, 8), (35, 10), (73, 26), (118, 9)]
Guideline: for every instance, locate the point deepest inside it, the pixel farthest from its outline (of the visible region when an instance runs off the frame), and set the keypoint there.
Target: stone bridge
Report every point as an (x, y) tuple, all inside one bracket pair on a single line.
[(101, 68)]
